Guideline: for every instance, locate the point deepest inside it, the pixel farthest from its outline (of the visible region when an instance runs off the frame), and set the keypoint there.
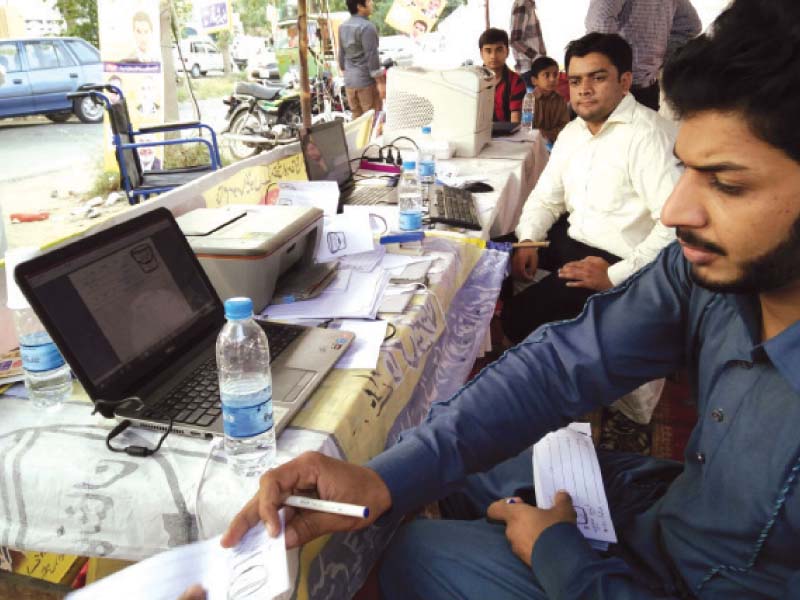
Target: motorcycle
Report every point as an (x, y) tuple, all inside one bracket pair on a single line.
[(264, 113)]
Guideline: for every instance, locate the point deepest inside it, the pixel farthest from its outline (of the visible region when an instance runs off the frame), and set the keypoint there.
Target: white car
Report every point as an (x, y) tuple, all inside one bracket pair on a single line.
[(398, 48), (200, 55)]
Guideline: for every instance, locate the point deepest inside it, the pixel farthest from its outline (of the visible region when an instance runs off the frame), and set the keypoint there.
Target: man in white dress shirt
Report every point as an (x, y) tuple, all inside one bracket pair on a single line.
[(599, 198)]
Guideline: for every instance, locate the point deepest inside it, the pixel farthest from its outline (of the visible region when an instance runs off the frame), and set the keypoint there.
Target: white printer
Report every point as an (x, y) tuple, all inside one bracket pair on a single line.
[(245, 249), (456, 103)]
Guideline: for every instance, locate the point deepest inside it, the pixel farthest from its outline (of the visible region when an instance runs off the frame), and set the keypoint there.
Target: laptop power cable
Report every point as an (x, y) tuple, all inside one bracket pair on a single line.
[(108, 408)]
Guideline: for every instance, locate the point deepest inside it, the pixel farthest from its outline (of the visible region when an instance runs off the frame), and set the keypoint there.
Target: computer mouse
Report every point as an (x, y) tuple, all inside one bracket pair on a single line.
[(478, 187)]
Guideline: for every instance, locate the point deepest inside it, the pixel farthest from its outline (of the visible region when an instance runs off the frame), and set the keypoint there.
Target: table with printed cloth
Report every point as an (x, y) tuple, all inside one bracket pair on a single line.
[(62, 491)]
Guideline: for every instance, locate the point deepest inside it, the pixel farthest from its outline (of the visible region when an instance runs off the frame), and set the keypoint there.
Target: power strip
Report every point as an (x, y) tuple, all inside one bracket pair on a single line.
[(378, 166)]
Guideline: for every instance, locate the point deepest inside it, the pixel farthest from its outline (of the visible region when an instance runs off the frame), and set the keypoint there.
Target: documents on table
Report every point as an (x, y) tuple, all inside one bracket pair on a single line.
[(383, 218), (343, 235), (321, 194), (256, 568), (359, 300), (363, 352), (566, 460)]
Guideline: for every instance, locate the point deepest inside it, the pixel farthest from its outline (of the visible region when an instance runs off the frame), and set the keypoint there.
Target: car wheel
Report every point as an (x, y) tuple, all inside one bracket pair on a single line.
[(61, 117), (88, 111), (196, 71)]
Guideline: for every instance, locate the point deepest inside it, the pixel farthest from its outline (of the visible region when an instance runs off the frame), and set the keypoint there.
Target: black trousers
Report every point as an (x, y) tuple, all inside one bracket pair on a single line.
[(550, 299), (649, 96)]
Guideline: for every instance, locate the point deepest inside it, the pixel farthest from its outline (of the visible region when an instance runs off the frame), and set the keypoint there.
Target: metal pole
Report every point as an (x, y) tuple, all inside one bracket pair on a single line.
[(305, 94), (487, 14)]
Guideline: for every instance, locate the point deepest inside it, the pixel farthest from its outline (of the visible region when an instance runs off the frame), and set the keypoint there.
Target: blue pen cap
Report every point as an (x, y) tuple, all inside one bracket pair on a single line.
[(409, 165), (426, 129), (238, 308)]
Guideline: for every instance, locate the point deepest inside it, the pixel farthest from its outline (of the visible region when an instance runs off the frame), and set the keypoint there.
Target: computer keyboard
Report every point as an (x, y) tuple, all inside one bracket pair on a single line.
[(454, 206), (195, 400), (371, 194)]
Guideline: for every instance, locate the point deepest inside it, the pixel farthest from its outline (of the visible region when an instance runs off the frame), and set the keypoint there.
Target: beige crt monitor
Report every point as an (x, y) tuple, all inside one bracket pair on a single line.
[(457, 104)]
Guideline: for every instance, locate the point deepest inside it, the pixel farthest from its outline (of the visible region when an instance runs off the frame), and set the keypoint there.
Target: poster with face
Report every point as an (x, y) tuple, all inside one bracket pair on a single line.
[(415, 17), (131, 52)]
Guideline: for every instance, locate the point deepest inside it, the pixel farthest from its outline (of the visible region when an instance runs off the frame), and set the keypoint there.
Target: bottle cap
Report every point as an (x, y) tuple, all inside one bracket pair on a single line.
[(238, 308), (426, 129), (409, 165), (14, 257), (530, 90)]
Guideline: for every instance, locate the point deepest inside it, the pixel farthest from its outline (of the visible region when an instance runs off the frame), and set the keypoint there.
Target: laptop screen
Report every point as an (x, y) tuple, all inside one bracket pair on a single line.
[(121, 305), (325, 153)]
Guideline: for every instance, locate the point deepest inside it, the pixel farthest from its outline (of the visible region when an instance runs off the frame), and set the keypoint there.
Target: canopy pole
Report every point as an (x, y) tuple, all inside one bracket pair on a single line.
[(305, 93), (487, 13)]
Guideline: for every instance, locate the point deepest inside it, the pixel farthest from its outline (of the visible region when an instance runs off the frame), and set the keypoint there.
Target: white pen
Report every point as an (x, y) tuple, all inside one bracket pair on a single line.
[(336, 508)]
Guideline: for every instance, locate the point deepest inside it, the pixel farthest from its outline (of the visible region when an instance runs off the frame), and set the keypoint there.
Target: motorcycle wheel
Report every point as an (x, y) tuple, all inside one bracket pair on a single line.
[(292, 116), (244, 123)]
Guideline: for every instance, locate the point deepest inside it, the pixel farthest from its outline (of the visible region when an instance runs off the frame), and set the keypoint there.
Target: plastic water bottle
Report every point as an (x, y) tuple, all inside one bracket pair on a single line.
[(47, 376), (245, 385), (427, 159), (409, 198), (528, 104)]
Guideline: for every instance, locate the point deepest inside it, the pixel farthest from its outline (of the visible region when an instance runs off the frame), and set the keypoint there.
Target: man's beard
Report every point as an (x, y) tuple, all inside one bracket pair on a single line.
[(775, 269)]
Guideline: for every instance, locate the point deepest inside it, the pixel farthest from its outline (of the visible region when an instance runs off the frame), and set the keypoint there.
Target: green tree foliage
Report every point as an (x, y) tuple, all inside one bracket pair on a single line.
[(81, 18), (254, 16)]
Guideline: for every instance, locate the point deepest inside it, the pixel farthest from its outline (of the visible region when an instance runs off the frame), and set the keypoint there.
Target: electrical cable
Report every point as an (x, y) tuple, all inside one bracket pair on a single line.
[(108, 409)]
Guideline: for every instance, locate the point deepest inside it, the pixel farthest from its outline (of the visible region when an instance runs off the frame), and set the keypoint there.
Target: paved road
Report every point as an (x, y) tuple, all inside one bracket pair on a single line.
[(35, 146)]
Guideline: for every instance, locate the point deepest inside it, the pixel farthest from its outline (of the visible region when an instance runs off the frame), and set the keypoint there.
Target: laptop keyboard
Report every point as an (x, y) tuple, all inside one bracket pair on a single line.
[(196, 399), (370, 195), (454, 206)]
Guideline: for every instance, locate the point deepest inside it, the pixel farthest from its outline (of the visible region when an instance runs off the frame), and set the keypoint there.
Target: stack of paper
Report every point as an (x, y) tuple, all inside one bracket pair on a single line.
[(566, 460)]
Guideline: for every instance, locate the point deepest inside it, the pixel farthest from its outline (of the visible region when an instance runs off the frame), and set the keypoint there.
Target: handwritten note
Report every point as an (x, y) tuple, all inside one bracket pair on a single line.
[(566, 460)]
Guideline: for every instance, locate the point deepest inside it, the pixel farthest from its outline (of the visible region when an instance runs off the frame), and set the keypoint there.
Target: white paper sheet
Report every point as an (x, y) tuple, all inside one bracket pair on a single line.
[(343, 235), (359, 301), (255, 569), (322, 194), (566, 460), (364, 262), (383, 218), (363, 352)]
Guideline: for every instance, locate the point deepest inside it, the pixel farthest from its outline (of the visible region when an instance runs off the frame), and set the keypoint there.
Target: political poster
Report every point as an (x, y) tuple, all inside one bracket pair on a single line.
[(130, 49), (215, 15), (414, 17)]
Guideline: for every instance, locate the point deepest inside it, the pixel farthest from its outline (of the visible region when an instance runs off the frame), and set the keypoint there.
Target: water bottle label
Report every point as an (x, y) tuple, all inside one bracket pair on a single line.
[(40, 357), (250, 416), (410, 220), (427, 169), (527, 118)]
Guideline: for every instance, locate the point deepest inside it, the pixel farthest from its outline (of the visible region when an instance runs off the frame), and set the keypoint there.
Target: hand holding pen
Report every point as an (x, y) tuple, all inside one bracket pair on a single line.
[(337, 483)]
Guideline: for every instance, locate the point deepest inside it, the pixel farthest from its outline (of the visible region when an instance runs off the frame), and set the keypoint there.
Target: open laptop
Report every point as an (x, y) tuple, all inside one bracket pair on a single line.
[(325, 154), (134, 314), (503, 128)]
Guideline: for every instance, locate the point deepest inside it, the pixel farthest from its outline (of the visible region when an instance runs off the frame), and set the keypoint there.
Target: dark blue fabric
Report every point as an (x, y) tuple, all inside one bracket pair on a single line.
[(728, 525)]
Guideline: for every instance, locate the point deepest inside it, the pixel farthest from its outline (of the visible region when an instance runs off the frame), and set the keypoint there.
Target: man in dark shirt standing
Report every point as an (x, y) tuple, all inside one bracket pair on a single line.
[(509, 88), (364, 77)]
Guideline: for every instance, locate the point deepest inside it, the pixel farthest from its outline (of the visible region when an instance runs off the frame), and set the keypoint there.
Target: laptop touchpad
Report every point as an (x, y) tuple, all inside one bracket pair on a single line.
[(288, 383)]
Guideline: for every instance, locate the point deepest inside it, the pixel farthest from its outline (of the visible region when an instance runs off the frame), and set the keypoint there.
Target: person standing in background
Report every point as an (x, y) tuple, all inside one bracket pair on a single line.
[(653, 28), (526, 39), (364, 77)]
